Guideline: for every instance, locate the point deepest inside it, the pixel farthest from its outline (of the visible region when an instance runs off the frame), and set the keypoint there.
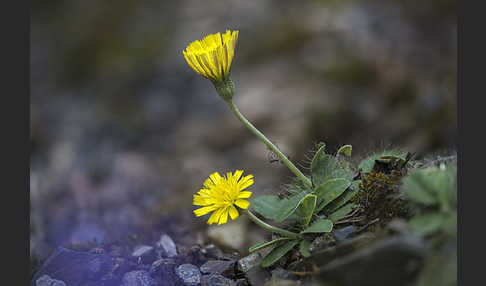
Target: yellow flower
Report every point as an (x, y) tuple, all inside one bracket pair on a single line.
[(212, 56), (221, 194)]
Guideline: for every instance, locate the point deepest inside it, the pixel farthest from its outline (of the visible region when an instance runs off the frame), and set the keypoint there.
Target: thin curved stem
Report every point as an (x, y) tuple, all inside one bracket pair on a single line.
[(270, 145), (271, 228)]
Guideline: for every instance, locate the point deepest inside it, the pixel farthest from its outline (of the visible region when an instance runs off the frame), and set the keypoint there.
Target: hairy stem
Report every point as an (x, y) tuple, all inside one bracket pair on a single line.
[(270, 145), (271, 228)]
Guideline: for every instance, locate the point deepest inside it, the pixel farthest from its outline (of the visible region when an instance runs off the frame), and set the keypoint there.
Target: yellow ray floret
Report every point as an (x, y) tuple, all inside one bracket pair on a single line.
[(211, 57), (220, 195)]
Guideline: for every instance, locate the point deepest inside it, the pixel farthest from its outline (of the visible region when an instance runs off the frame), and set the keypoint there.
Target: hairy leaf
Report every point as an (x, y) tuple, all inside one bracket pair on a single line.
[(289, 205), (320, 225), (307, 207), (341, 212), (330, 190), (276, 253), (427, 223), (265, 244), (304, 248), (344, 198), (345, 150), (268, 206)]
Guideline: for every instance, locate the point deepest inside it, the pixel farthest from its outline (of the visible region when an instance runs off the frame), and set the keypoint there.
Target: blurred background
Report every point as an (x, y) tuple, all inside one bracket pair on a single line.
[(123, 132)]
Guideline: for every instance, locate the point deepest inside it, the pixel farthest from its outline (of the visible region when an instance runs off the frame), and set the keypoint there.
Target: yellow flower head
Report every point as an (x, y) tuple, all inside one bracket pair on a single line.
[(221, 194), (212, 56)]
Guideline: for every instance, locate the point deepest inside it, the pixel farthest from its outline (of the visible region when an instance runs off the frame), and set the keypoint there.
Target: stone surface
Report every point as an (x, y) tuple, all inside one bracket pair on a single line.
[(343, 233), (399, 226), (248, 262), (144, 253), (167, 246), (231, 234), (189, 274), (75, 268), (257, 276), (398, 260), (223, 267), (212, 251), (163, 270), (46, 280), (138, 278), (215, 280), (280, 273)]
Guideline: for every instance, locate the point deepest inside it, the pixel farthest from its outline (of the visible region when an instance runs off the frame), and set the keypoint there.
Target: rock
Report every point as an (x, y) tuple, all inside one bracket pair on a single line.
[(398, 259), (163, 271), (343, 233), (231, 234), (248, 262), (215, 280), (212, 251), (257, 276), (223, 267), (399, 226), (167, 246), (282, 274), (325, 255), (122, 265), (283, 282), (46, 280), (189, 274), (144, 253), (74, 267), (138, 278), (240, 282)]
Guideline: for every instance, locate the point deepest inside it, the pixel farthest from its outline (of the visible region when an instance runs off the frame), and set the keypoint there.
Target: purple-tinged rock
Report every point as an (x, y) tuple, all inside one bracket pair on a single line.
[(223, 267), (74, 267), (215, 280), (46, 280), (163, 270), (144, 253), (189, 274), (167, 245), (138, 278)]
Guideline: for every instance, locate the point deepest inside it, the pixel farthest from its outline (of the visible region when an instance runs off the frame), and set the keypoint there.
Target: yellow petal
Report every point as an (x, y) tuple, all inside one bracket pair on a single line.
[(233, 212), (244, 195), (244, 204), (204, 210), (224, 217), (215, 216)]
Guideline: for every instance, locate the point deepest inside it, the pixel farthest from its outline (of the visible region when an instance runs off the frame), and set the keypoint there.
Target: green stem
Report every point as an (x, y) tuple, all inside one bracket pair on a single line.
[(271, 228), (270, 145)]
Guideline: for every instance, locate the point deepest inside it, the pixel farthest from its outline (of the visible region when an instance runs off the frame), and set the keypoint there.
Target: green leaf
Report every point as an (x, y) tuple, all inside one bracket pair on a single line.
[(320, 225), (345, 150), (427, 224), (418, 188), (265, 244), (268, 206), (341, 212), (276, 209), (304, 248), (329, 167), (450, 224), (330, 190), (317, 155), (275, 254), (289, 205), (307, 208), (367, 164), (344, 198)]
